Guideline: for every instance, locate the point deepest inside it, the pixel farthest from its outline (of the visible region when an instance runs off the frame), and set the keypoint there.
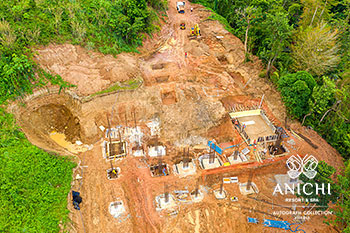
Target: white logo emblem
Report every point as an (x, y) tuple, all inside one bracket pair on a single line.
[(297, 165)]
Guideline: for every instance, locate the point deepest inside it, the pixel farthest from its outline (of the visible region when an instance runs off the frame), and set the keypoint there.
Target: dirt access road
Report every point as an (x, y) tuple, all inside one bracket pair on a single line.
[(189, 96)]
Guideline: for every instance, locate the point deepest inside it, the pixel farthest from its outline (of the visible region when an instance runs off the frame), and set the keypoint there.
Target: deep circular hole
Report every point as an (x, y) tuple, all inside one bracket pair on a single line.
[(54, 117)]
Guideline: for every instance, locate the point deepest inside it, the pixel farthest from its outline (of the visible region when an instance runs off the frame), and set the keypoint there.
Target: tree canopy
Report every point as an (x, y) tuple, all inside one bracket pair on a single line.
[(296, 90)]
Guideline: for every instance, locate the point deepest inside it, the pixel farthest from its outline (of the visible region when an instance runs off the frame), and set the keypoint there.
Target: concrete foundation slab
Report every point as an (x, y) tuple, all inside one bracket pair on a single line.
[(243, 188), (159, 170), (204, 162), (182, 171), (117, 150), (134, 135), (155, 151), (116, 209), (154, 126), (163, 205), (220, 195), (256, 123)]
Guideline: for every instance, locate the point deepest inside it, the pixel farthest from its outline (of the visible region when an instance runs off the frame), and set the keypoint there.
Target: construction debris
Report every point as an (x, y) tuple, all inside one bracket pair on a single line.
[(159, 170)]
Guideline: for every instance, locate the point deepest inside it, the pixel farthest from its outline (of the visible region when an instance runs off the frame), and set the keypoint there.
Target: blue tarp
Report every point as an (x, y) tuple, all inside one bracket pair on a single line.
[(213, 146), (278, 224), (282, 225), (253, 220)]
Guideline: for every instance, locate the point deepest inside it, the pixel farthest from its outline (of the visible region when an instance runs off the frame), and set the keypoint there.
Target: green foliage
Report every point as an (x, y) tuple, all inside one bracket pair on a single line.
[(342, 209), (316, 49), (17, 76), (296, 90), (222, 20), (277, 34), (330, 114), (127, 85), (323, 177), (34, 184), (322, 97), (20, 74)]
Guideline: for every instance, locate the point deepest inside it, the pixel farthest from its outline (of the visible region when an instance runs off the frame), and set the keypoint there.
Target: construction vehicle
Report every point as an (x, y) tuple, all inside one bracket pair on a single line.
[(182, 25), (180, 7), (195, 32), (76, 200)]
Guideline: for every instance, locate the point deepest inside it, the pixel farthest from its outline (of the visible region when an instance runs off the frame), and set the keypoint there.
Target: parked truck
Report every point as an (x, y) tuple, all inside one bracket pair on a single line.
[(180, 7)]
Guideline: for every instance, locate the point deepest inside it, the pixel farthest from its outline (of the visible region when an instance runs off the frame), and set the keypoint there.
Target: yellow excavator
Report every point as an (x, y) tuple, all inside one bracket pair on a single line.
[(195, 32), (182, 25)]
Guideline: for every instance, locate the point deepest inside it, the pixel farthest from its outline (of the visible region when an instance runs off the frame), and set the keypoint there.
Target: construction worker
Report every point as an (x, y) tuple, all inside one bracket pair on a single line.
[(243, 127), (185, 54)]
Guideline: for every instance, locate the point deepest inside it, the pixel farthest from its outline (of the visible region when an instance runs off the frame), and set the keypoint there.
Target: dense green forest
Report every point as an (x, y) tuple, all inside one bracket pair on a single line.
[(305, 46), (34, 184)]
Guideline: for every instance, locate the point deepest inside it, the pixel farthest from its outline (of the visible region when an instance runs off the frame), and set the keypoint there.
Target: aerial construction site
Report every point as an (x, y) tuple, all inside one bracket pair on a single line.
[(188, 137)]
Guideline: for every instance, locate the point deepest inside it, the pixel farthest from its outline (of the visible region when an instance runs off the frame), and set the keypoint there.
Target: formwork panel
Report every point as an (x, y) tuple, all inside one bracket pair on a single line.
[(256, 126)]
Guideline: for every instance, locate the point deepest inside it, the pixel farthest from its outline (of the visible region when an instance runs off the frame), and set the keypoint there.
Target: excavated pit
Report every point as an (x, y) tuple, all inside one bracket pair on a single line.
[(59, 118), (51, 121)]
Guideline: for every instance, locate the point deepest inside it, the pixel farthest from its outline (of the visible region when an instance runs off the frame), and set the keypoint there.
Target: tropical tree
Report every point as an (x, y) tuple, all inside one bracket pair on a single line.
[(316, 11), (296, 90), (278, 32), (342, 209), (316, 49)]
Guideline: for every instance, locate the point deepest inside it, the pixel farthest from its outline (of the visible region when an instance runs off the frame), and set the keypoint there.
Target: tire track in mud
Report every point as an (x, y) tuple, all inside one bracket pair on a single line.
[(146, 206), (138, 206)]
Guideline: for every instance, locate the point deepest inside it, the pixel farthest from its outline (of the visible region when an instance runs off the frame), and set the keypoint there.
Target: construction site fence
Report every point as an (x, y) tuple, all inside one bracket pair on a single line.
[(270, 138)]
